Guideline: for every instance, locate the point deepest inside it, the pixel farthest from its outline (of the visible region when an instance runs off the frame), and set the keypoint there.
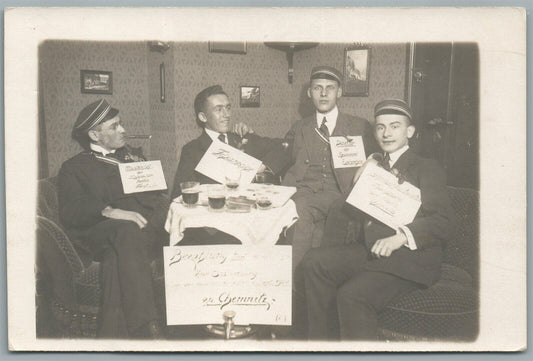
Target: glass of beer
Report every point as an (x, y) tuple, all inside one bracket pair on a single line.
[(263, 201), (233, 179), (217, 199), (190, 193)]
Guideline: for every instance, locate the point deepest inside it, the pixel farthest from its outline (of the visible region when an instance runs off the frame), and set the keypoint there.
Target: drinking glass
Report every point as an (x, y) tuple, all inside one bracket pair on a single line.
[(190, 192), (216, 197), (233, 179)]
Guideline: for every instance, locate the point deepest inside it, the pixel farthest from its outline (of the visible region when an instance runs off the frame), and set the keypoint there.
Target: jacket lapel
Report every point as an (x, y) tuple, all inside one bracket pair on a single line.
[(404, 165), (308, 131), (205, 141)]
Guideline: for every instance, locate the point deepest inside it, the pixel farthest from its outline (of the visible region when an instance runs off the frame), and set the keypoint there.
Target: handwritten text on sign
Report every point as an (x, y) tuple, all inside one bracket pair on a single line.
[(347, 151), (221, 159), (201, 282), (142, 176), (378, 193)]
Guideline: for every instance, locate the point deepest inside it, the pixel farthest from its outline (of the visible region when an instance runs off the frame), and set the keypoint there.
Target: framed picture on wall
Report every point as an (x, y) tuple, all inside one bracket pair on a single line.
[(250, 96), (96, 81), (356, 71)]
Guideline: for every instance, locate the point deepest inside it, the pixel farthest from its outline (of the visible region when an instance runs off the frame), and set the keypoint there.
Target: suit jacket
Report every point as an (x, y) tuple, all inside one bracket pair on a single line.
[(302, 136), (433, 225), (87, 184), (269, 150)]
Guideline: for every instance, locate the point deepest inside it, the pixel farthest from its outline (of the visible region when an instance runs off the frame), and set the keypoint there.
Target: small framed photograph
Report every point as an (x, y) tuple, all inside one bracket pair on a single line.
[(250, 96), (96, 81), (356, 71)]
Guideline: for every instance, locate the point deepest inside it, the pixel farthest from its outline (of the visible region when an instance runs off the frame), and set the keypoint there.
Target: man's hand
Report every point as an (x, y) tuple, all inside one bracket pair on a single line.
[(116, 213), (385, 246), (241, 129)]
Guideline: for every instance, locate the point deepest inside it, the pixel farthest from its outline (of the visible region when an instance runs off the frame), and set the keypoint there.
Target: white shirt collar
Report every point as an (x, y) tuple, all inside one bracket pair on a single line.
[(397, 154), (100, 149), (331, 119), (214, 135)]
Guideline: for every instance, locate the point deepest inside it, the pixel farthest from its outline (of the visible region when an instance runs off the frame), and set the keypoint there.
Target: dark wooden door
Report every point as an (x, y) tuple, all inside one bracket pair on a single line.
[(443, 90)]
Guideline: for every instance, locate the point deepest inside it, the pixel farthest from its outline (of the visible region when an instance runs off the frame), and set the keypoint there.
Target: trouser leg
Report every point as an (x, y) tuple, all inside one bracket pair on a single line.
[(123, 249), (360, 299), (324, 270)]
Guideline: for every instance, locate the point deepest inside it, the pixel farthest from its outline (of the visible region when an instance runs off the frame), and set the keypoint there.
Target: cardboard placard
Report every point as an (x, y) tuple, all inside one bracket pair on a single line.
[(221, 159), (142, 176), (379, 194), (201, 282), (348, 151)]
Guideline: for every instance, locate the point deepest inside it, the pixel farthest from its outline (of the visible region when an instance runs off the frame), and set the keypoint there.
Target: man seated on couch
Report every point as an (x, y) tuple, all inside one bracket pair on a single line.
[(123, 231), (363, 277)]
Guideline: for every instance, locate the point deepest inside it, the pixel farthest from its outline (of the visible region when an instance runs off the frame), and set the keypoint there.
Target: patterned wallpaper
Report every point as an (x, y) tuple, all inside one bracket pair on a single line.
[(387, 76), (190, 67), (60, 65)]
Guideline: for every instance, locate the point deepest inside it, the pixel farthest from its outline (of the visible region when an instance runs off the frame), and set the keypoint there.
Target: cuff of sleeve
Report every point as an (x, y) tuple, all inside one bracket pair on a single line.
[(411, 244)]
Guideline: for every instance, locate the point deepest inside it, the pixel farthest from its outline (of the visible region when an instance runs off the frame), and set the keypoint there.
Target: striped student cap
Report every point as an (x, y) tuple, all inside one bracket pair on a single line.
[(393, 106), (94, 114)]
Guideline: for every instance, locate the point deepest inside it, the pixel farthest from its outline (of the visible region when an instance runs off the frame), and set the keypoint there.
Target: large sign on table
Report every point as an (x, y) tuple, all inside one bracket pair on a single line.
[(221, 159), (142, 176), (201, 282), (379, 194)]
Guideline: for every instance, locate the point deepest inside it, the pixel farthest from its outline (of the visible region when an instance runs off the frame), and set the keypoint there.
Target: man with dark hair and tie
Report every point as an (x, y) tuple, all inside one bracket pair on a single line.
[(123, 231), (382, 263), (318, 183), (213, 111)]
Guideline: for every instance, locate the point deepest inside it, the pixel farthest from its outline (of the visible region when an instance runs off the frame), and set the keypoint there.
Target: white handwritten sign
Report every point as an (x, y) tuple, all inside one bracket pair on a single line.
[(221, 159), (347, 151), (201, 282), (378, 193), (142, 176)]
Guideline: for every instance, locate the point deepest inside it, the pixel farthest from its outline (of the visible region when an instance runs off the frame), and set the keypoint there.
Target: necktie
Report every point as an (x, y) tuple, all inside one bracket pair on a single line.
[(323, 128), (386, 162), (222, 138)]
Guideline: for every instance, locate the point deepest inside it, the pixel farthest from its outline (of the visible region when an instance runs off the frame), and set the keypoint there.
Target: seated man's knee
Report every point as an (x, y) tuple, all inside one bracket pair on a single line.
[(353, 299)]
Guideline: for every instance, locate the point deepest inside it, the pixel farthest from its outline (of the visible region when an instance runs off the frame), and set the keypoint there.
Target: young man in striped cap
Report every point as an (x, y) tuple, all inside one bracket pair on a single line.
[(382, 263), (312, 172), (123, 231)]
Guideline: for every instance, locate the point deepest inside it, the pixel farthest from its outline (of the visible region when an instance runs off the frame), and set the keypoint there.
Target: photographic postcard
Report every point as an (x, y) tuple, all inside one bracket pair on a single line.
[(46, 48)]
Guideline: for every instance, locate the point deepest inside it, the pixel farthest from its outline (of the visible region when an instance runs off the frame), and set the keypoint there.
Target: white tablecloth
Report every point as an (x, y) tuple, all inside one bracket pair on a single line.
[(257, 227)]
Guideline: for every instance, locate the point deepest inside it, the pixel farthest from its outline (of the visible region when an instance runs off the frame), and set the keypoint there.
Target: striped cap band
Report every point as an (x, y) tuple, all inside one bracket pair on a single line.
[(393, 105)]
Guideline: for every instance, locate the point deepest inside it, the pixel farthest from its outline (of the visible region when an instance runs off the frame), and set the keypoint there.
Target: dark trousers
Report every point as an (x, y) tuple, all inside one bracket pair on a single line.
[(125, 252), (312, 208), (337, 277)]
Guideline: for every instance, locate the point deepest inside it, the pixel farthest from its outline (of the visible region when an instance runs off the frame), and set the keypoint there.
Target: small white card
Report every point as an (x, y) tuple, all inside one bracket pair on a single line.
[(221, 159), (142, 176), (347, 151), (378, 193), (201, 282)]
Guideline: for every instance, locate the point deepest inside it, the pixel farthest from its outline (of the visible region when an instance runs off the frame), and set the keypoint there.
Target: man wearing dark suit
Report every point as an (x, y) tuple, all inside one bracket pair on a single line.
[(213, 110), (365, 276), (123, 231), (318, 183)]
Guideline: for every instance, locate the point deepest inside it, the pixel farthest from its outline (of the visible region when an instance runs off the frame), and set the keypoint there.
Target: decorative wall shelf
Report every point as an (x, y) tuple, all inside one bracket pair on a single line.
[(290, 48)]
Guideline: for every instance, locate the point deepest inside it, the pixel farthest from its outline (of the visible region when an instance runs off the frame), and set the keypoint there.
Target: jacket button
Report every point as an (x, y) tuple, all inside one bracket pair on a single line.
[(307, 161)]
